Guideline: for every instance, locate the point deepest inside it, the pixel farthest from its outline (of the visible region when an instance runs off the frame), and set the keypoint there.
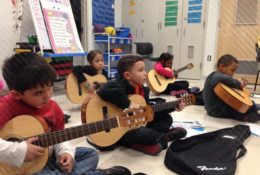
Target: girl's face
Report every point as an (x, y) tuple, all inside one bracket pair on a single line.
[(98, 62), (168, 63)]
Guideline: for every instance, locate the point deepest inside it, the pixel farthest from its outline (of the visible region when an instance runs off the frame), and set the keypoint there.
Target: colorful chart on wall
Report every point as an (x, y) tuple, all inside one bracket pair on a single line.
[(61, 27)]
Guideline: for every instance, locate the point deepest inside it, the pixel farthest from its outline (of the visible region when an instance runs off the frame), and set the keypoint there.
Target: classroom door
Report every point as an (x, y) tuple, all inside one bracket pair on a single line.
[(185, 38), (192, 39), (170, 29)]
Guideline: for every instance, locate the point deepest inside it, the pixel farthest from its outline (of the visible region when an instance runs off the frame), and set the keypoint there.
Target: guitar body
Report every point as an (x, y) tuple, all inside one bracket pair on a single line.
[(236, 98), (16, 129), (158, 83), (92, 111), (72, 87)]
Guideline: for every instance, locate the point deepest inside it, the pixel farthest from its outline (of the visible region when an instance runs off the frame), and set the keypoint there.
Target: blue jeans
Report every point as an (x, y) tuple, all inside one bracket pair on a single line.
[(86, 161)]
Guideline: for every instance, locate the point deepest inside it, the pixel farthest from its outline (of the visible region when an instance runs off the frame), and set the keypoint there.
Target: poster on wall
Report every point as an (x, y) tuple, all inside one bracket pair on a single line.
[(39, 25), (17, 11), (61, 27)]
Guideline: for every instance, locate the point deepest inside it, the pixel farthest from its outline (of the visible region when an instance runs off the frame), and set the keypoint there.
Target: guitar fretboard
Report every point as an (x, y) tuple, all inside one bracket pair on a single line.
[(181, 69), (165, 106), (52, 138)]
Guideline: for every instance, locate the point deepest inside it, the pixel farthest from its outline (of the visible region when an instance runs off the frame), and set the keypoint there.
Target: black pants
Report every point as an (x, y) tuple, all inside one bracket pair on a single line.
[(176, 86), (153, 133), (250, 116)]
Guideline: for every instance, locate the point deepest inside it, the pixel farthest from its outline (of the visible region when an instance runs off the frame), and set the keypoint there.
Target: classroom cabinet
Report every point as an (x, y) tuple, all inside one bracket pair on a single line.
[(176, 26)]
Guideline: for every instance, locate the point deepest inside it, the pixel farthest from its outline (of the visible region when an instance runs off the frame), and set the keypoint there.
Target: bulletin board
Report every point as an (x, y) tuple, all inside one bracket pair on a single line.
[(103, 12)]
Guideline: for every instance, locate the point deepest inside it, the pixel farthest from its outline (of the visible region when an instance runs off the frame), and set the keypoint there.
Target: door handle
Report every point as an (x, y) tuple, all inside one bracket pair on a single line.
[(184, 32)]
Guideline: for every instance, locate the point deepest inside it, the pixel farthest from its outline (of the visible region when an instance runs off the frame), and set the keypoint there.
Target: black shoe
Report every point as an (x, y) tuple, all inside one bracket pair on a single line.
[(116, 170), (176, 133), (66, 118)]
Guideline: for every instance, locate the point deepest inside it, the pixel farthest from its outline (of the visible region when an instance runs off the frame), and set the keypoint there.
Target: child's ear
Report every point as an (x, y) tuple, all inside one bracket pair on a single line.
[(127, 75), (15, 94)]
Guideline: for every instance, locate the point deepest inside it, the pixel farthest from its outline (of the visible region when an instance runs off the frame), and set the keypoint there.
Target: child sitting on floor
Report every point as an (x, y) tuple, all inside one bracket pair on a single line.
[(153, 138), (30, 80), (96, 65), (164, 67), (216, 107)]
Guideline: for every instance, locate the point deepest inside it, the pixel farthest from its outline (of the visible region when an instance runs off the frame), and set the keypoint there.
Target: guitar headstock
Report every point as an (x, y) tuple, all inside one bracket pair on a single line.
[(132, 117), (188, 99), (189, 66)]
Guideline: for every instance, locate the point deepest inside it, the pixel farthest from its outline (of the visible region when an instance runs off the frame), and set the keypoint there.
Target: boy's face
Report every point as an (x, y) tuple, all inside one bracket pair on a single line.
[(137, 75), (98, 62), (229, 70), (36, 97)]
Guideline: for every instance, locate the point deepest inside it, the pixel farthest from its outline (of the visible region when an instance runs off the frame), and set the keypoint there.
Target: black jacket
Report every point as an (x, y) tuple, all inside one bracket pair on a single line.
[(79, 70), (213, 104), (117, 92)]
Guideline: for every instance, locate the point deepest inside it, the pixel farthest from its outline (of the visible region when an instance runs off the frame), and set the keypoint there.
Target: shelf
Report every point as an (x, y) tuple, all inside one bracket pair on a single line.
[(46, 54), (105, 43)]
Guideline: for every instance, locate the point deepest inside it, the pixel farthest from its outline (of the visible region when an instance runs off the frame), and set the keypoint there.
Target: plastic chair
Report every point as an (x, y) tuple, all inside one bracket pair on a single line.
[(145, 50)]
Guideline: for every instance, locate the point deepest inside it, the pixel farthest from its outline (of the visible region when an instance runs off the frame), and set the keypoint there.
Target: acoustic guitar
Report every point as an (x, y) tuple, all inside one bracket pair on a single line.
[(15, 130), (235, 98), (158, 83), (97, 109), (76, 92)]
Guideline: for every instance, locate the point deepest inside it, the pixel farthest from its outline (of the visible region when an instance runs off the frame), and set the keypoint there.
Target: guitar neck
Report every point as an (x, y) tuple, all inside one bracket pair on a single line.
[(52, 138), (165, 106), (181, 69)]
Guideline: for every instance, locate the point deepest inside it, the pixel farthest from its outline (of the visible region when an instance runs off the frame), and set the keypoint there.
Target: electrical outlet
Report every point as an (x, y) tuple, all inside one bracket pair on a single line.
[(209, 58)]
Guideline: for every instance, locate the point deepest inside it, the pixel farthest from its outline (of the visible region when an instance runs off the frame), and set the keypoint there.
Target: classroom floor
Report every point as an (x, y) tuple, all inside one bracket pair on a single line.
[(154, 165)]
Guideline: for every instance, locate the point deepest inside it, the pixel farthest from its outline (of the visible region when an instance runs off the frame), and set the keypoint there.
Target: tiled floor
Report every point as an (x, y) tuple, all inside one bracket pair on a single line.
[(139, 162)]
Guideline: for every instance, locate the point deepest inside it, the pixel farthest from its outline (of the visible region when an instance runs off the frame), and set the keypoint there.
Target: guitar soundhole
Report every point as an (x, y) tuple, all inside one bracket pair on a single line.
[(96, 85), (157, 79), (105, 116)]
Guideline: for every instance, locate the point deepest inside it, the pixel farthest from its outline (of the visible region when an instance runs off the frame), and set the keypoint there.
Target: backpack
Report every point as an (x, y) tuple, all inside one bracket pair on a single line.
[(212, 153)]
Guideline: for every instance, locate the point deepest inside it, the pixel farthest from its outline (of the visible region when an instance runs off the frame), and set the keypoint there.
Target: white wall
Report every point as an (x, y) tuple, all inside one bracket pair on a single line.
[(87, 21), (118, 13), (211, 37), (8, 36)]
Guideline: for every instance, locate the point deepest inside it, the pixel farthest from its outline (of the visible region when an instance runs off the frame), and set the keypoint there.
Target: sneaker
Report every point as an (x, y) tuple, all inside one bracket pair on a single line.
[(176, 133), (178, 93), (151, 150), (116, 170), (194, 90)]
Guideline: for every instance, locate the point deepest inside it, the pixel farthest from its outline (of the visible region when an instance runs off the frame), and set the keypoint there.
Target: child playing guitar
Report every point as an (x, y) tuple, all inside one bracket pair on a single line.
[(226, 67), (153, 138), (164, 67)]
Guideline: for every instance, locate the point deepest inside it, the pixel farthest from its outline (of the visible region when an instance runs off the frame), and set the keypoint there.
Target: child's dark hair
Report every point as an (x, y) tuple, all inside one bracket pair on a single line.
[(126, 63), (166, 56), (226, 60), (24, 71), (92, 54)]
